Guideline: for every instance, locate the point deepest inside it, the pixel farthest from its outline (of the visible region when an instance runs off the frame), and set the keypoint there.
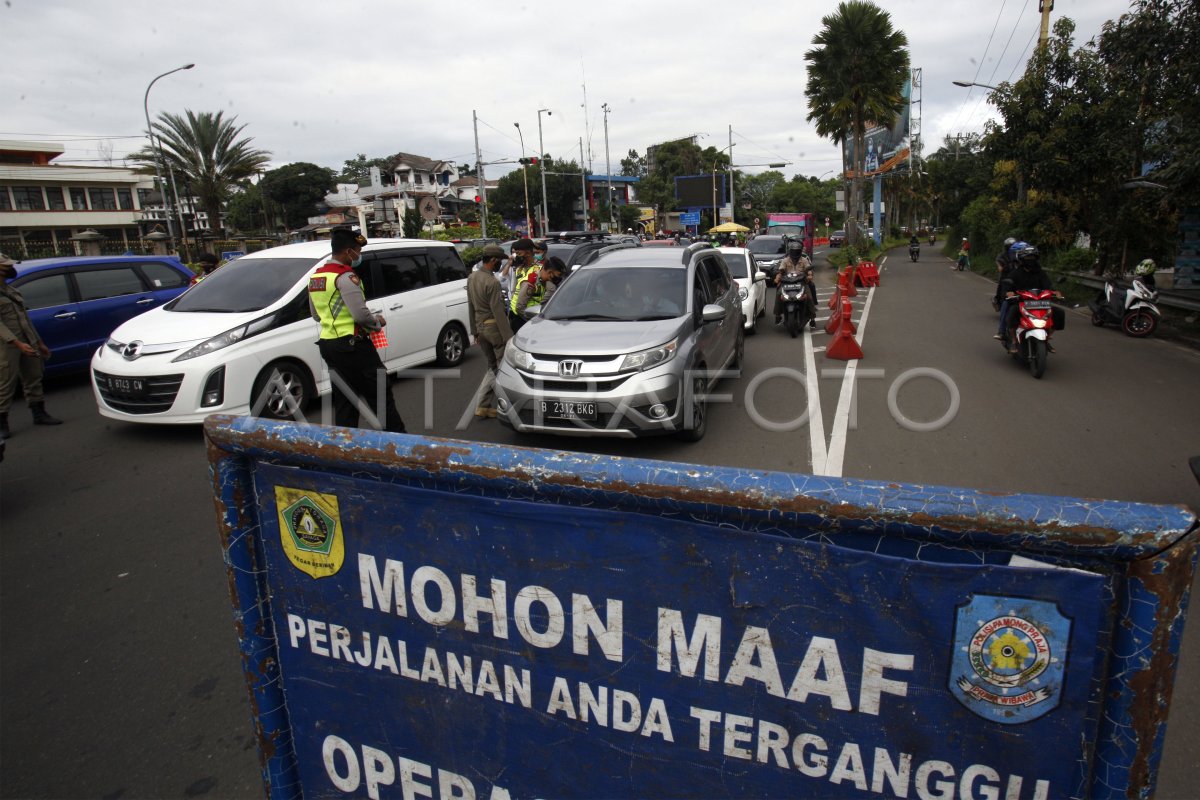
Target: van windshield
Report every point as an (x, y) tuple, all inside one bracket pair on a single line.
[(247, 284)]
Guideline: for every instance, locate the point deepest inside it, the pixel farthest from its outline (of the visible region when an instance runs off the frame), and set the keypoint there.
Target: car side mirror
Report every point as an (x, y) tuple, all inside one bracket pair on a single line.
[(532, 311), (712, 312), (760, 276)]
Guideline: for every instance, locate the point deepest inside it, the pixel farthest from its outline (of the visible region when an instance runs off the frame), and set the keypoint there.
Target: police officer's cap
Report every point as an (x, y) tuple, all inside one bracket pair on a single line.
[(493, 251), (523, 244), (342, 239)]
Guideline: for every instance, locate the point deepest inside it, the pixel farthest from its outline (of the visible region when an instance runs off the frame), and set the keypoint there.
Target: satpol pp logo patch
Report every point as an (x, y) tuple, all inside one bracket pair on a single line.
[(1009, 657), (310, 530)]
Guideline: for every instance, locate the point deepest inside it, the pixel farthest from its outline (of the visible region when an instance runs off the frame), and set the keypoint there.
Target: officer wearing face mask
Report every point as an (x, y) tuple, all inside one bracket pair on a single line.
[(337, 302)]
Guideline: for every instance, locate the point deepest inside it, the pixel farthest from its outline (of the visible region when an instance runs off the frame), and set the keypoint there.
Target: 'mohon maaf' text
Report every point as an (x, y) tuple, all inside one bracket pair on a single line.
[(543, 619)]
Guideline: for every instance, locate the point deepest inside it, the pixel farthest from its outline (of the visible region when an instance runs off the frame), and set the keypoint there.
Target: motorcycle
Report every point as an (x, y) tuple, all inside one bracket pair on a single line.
[(1134, 310), (932, 239), (1035, 324), (793, 297), (914, 252)]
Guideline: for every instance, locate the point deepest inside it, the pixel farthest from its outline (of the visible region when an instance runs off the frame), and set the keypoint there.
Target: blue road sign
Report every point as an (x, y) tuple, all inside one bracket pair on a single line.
[(440, 618), (230, 255), (689, 218)]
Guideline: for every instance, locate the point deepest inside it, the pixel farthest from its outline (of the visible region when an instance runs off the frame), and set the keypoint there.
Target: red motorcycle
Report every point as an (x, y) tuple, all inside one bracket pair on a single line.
[(1035, 324)]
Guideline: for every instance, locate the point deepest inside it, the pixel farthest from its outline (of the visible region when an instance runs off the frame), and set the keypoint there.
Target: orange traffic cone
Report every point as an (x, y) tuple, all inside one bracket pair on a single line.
[(844, 346), (847, 282), (836, 301)]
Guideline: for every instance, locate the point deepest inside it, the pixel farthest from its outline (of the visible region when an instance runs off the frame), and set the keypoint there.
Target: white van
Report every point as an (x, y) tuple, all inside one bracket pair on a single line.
[(242, 340)]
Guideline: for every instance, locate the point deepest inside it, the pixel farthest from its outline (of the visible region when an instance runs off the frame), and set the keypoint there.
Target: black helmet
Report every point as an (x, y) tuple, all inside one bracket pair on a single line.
[(1028, 256), (795, 245)]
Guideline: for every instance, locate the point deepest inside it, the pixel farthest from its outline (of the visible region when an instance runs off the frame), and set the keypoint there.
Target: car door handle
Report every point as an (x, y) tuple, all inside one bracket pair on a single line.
[(65, 315), (396, 307), (145, 300)]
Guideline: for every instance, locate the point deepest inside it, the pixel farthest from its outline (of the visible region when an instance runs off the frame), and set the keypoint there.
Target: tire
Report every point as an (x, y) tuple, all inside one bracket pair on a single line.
[(1139, 324), (1097, 320), (753, 329), (1037, 358), (282, 380), (793, 322), (451, 345), (695, 428)]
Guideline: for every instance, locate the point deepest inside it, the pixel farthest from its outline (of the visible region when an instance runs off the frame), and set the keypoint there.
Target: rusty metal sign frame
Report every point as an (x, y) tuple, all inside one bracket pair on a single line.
[(1151, 549)]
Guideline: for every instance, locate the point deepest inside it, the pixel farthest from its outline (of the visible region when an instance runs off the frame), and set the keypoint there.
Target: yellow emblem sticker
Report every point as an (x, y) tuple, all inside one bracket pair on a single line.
[(310, 529)]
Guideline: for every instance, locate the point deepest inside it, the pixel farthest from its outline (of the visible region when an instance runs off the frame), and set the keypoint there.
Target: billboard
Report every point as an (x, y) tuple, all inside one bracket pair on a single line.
[(696, 191), (887, 146)]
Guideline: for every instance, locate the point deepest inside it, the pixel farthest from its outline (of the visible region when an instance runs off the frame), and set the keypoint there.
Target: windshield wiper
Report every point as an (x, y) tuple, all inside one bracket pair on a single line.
[(593, 317), (213, 310)]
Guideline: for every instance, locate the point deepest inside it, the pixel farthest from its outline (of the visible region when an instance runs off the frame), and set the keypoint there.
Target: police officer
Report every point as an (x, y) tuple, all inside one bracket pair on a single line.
[(22, 354), (489, 322), (208, 263), (522, 266), (538, 286), (336, 300)]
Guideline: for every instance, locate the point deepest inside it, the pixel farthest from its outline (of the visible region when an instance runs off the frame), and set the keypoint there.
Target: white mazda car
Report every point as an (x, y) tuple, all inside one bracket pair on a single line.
[(242, 340)]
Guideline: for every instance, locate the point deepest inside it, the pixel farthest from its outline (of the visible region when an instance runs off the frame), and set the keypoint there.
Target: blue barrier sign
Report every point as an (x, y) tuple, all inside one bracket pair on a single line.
[(424, 617), (230, 255), (689, 218)]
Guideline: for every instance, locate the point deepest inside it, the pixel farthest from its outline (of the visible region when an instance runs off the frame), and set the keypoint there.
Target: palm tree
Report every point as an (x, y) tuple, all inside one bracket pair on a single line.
[(204, 149), (856, 76)]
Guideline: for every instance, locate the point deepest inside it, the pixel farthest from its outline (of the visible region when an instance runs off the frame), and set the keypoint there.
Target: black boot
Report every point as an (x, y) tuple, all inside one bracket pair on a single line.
[(4, 431), (40, 417)]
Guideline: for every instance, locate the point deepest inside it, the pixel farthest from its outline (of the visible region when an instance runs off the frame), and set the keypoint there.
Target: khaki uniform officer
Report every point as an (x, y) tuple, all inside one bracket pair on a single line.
[(336, 299), (22, 354), (489, 322)]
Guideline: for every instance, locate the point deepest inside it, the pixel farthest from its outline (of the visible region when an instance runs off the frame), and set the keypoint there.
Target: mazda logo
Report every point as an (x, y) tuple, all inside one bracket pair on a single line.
[(132, 350), (570, 369)]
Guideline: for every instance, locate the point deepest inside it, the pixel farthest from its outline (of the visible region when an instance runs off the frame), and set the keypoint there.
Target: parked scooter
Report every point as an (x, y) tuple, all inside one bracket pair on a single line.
[(793, 297), (1133, 309), (1035, 324)]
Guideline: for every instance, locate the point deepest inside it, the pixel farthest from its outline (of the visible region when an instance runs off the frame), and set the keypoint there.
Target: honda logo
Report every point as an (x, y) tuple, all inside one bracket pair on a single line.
[(570, 369), (131, 350)]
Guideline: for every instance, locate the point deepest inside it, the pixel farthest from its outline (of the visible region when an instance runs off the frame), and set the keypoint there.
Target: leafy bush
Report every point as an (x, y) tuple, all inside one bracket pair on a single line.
[(1073, 259), (471, 255)]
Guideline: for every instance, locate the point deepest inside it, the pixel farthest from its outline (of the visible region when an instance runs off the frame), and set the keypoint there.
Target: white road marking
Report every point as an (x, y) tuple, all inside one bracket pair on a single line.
[(816, 425), (835, 452)]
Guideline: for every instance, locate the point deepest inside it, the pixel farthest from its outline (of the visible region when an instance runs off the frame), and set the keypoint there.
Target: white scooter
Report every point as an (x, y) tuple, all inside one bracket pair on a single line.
[(1133, 309)]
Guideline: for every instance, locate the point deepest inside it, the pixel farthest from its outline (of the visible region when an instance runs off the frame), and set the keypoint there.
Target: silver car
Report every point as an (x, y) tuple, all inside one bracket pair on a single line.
[(629, 346)]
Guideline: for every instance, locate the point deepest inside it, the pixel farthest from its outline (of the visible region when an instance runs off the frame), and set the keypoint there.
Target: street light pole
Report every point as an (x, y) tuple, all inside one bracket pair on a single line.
[(157, 145), (608, 166), (968, 84), (525, 178), (542, 170)]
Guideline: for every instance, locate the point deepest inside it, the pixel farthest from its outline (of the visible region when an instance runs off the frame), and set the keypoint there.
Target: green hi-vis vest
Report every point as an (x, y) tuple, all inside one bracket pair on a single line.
[(336, 320), (527, 274)]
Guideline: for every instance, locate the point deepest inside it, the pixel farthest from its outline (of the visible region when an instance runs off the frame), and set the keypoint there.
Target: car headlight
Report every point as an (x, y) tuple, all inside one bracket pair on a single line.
[(518, 358), (743, 292), (650, 358), (231, 336)]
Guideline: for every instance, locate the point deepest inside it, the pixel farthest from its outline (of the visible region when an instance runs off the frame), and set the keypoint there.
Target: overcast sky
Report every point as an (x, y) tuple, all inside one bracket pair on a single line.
[(320, 82)]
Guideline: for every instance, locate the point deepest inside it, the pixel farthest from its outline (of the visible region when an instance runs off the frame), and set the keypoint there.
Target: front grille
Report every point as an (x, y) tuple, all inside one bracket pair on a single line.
[(578, 385), (159, 394), (586, 359)]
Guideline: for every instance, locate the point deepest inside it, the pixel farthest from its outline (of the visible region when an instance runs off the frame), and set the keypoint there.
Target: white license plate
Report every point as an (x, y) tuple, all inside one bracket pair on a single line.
[(569, 410), (1035, 305), (126, 386)]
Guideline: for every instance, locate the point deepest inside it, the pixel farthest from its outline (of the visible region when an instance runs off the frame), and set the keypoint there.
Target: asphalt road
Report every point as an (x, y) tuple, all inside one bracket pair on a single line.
[(119, 670)]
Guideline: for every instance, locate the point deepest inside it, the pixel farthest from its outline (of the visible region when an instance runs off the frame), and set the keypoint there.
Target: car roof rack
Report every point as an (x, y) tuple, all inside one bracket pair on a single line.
[(693, 248)]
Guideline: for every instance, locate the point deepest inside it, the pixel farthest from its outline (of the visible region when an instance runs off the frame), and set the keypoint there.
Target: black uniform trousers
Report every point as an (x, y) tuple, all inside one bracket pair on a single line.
[(354, 364)]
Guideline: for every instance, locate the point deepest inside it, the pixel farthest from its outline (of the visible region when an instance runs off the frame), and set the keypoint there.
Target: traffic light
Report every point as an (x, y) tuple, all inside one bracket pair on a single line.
[(477, 198)]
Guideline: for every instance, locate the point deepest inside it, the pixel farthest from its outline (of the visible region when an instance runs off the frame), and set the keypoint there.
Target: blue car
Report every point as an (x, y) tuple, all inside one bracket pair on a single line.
[(75, 302)]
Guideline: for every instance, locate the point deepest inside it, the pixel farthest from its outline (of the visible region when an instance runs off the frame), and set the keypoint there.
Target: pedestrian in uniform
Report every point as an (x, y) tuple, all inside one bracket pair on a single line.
[(489, 322), (22, 355), (337, 302)]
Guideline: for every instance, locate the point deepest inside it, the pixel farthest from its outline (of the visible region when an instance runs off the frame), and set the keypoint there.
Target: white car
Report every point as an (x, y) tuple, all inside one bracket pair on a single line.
[(751, 283), (243, 341)]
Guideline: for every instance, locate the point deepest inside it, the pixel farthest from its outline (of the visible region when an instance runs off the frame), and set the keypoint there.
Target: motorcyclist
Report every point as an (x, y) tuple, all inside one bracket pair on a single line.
[(795, 263), (932, 237), (1144, 272), (1027, 277), (1005, 261)]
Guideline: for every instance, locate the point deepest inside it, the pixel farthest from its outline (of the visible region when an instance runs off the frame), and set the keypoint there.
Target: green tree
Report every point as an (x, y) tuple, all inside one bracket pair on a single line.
[(563, 187), (294, 190), (856, 76), (633, 165), (244, 211), (358, 169), (204, 150)]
